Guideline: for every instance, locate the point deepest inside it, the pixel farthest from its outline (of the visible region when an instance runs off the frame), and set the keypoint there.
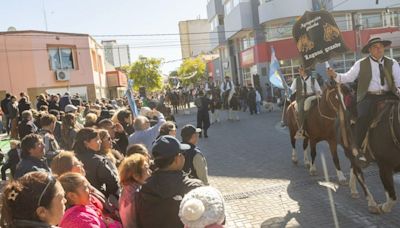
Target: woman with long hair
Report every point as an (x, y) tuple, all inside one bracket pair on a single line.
[(68, 131), (107, 150), (98, 171), (36, 200)]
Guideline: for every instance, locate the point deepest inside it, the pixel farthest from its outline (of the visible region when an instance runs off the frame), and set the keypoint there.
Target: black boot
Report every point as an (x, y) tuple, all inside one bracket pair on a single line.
[(205, 134)]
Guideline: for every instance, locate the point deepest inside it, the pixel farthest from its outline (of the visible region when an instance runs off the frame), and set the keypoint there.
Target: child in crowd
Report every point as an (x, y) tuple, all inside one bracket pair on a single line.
[(81, 212), (133, 172), (203, 207)]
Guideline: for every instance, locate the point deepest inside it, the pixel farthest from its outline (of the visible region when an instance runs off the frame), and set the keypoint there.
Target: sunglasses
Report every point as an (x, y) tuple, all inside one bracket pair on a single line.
[(50, 181)]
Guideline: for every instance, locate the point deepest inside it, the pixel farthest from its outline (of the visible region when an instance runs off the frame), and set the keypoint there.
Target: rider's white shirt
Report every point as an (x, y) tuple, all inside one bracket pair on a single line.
[(375, 84), (309, 85), (228, 87)]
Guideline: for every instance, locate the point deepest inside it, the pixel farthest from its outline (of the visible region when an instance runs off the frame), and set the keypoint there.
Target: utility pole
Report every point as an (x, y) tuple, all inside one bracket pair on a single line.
[(357, 33), (44, 15)]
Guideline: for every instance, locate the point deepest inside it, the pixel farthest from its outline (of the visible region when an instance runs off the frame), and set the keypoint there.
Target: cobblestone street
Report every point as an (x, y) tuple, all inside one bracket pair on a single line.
[(249, 161)]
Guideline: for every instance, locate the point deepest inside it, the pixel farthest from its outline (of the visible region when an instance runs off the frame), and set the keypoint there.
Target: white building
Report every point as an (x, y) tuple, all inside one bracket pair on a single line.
[(116, 54)]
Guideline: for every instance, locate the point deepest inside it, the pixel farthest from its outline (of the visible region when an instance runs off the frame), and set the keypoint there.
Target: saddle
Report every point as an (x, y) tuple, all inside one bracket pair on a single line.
[(308, 103)]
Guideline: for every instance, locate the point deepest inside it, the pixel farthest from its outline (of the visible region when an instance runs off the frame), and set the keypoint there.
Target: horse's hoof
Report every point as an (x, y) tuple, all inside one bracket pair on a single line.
[(383, 210), (355, 195), (375, 210), (313, 172), (343, 182), (295, 162), (307, 165)]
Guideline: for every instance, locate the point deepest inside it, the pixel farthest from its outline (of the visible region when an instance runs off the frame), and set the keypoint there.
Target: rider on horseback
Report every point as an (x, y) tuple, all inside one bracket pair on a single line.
[(304, 86), (226, 87), (378, 80)]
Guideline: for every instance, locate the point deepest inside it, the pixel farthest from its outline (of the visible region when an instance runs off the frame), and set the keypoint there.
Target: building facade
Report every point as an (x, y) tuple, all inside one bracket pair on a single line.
[(116, 54), (36, 62), (252, 27), (194, 37)]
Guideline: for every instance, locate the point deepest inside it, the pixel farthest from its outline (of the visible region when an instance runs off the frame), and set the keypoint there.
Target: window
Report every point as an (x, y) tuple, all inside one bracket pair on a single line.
[(62, 58), (279, 30), (374, 20), (216, 21), (94, 60), (343, 22), (100, 64), (247, 42), (289, 69), (231, 4)]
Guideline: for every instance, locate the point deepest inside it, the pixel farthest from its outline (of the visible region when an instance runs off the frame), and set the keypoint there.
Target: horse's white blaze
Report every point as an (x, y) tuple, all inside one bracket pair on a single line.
[(340, 176), (388, 205), (294, 155), (355, 152), (352, 183)]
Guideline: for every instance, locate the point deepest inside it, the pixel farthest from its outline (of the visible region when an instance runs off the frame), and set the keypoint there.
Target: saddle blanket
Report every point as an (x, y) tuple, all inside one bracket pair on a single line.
[(307, 103)]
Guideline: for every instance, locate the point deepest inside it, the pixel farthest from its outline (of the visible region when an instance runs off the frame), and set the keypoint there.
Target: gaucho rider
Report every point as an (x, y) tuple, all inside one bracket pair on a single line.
[(378, 79), (226, 87), (303, 86)]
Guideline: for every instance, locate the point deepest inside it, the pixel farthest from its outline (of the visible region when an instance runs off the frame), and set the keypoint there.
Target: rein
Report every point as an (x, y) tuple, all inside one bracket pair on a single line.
[(327, 99), (391, 124)]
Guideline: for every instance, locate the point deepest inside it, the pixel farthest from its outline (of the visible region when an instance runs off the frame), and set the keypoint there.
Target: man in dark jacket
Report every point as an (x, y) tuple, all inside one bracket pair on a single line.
[(32, 155), (195, 162), (251, 100), (26, 126), (23, 104), (159, 199), (4, 109), (64, 101), (203, 117)]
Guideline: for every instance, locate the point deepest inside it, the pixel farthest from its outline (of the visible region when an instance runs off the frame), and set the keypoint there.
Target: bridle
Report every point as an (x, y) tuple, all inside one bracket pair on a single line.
[(329, 101)]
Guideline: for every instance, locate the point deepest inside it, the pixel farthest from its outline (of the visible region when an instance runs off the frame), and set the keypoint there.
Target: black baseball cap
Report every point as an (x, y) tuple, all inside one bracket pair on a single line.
[(168, 146), (188, 130)]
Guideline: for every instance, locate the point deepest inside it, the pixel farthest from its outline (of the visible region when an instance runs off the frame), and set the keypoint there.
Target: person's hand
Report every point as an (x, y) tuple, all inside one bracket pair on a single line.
[(331, 73)]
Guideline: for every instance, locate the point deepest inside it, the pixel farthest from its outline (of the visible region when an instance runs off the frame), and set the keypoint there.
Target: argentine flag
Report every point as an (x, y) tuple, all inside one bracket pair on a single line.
[(131, 98), (275, 75)]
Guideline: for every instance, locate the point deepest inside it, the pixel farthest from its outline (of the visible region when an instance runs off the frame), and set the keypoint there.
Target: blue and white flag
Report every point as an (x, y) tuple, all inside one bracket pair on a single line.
[(275, 74), (131, 98)]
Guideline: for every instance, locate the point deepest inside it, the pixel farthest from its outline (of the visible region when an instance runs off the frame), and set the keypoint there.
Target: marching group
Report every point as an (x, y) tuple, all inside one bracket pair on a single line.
[(96, 165)]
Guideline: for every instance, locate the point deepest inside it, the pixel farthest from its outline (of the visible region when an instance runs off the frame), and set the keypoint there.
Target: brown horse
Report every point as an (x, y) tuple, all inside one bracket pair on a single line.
[(322, 127)]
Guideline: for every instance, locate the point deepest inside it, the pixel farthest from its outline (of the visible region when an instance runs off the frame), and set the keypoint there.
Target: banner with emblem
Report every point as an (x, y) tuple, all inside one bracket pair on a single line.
[(317, 37)]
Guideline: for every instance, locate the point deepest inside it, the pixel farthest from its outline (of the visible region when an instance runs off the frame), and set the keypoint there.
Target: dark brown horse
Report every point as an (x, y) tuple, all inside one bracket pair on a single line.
[(320, 126), (384, 147)]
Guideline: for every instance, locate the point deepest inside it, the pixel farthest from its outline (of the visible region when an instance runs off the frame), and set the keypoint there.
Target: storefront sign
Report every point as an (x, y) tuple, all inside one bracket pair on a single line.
[(247, 57)]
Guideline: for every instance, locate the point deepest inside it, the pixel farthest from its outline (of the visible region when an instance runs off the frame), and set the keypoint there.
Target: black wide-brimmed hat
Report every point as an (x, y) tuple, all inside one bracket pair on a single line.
[(373, 41)]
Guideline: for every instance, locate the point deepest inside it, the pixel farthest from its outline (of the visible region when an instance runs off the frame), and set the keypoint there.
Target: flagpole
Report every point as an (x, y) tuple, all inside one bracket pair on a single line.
[(283, 113)]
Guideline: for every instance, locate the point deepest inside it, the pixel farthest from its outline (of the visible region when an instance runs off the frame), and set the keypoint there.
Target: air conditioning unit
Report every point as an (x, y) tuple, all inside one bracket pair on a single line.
[(62, 75)]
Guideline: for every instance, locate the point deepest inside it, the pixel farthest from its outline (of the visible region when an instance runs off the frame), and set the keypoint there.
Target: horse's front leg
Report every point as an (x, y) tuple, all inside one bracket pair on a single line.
[(333, 148), (294, 152), (313, 146), (386, 175), (306, 150), (356, 173)]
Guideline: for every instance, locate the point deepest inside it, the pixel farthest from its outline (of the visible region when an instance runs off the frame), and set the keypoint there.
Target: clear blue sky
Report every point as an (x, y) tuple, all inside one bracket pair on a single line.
[(100, 17)]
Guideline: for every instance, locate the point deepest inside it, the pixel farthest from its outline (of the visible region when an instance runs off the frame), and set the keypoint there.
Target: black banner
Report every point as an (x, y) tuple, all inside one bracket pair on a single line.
[(317, 37)]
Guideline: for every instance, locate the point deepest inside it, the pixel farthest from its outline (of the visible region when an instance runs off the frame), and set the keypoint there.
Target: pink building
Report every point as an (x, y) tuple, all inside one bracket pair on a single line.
[(35, 62)]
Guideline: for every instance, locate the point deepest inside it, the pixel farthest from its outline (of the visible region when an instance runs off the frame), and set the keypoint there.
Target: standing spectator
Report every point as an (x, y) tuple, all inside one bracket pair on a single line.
[(57, 129), (98, 171), (243, 98), (203, 117), (32, 156), (68, 131), (124, 117), (251, 100), (23, 105), (195, 162), (54, 103), (258, 102), (143, 132), (133, 172), (34, 201), (118, 136), (13, 159), (41, 101), (13, 115), (26, 126), (48, 123), (168, 128), (64, 101), (159, 199), (106, 149), (4, 109), (234, 105), (76, 100)]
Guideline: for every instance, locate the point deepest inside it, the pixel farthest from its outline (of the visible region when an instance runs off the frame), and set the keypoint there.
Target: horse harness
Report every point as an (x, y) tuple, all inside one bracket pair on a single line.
[(331, 104)]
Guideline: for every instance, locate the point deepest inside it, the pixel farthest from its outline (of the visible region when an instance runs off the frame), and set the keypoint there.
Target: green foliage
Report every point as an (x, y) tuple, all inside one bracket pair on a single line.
[(145, 72), (192, 71)]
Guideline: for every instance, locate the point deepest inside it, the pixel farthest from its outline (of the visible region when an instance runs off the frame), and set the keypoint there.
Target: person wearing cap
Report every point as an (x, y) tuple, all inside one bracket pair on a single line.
[(378, 79), (303, 86), (195, 162), (159, 198), (70, 108)]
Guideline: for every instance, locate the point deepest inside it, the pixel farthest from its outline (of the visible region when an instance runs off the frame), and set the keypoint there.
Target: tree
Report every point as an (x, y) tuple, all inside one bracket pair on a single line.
[(145, 72), (191, 71)]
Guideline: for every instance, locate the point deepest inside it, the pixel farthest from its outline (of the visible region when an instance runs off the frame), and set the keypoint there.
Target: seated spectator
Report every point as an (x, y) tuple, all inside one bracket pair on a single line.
[(35, 200), (203, 207), (26, 126), (159, 198), (32, 156), (133, 172), (68, 131), (143, 132), (13, 159), (98, 171), (81, 211), (48, 123), (195, 162)]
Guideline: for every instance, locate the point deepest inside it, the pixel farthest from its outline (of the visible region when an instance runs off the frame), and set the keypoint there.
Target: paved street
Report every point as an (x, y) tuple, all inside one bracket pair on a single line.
[(249, 161)]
